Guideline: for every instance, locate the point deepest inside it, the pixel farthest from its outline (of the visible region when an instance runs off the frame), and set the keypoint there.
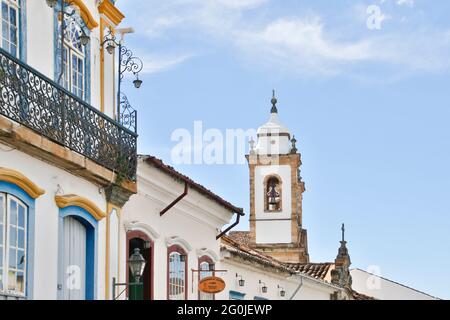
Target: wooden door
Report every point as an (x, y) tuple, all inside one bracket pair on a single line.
[(74, 264)]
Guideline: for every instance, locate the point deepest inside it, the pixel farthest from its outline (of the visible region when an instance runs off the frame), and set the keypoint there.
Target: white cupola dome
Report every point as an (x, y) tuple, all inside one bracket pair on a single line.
[(273, 137)]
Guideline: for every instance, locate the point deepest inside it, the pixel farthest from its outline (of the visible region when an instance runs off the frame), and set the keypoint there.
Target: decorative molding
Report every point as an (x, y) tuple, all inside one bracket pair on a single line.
[(208, 252), (15, 177), (172, 241), (111, 12), (77, 201), (85, 13), (140, 226)]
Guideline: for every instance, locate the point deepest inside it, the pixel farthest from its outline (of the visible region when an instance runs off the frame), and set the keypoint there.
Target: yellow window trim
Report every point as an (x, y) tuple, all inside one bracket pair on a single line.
[(72, 200), (111, 12), (15, 177), (85, 13)]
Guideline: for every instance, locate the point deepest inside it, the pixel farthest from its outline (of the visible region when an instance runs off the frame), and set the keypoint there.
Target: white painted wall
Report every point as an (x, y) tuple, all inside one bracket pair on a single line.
[(273, 145), (273, 231), (384, 289), (54, 181), (196, 220)]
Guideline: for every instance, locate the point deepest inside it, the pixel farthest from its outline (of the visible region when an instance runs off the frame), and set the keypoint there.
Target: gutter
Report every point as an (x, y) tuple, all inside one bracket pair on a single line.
[(238, 218), (184, 194)]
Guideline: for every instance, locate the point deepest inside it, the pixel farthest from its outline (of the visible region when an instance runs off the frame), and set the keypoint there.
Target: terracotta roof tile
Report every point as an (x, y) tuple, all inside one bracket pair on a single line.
[(242, 237), (360, 296), (247, 253), (237, 244), (315, 270)]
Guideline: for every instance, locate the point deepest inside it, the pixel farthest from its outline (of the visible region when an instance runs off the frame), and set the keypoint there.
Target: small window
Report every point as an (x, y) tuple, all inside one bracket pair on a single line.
[(272, 197), (13, 245), (177, 276)]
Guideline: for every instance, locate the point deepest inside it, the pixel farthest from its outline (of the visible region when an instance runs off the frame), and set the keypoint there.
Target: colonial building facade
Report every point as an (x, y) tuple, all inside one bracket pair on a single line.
[(76, 201), (67, 161)]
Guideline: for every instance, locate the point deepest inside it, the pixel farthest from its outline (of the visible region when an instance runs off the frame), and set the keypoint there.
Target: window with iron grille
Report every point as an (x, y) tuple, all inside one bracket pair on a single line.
[(177, 276)]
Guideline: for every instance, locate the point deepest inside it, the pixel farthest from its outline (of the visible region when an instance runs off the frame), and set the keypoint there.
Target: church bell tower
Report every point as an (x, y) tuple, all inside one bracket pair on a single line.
[(276, 192)]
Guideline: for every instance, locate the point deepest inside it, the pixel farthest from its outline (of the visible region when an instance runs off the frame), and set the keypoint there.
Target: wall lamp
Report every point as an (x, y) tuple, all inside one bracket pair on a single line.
[(264, 287), (52, 3), (128, 63), (281, 290), (241, 281)]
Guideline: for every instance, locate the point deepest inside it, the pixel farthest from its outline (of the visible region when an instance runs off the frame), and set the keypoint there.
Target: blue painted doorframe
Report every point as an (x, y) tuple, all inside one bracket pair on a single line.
[(91, 249)]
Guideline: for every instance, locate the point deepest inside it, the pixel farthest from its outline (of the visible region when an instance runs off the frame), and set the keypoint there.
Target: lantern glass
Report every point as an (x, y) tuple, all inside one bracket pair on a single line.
[(51, 3), (110, 48), (84, 39), (282, 293), (137, 264), (241, 282), (137, 83), (264, 289)]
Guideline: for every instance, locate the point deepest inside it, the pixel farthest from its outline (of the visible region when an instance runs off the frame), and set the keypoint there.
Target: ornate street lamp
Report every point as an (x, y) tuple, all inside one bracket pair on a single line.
[(241, 280), (52, 3), (127, 63), (281, 290), (136, 263), (84, 39), (263, 288)]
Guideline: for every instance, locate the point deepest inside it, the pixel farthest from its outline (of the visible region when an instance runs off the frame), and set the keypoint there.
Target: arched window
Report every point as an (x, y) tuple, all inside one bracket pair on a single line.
[(13, 245), (205, 267), (177, 273), (272, 196), (76, 56)]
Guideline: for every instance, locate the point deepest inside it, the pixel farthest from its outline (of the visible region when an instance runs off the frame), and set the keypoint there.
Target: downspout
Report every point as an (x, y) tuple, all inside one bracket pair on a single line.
[(298, 289), (238, 218), (184, 194)]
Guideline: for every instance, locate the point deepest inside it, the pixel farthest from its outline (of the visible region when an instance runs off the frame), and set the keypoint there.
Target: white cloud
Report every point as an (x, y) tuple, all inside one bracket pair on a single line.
[(298, 44), (409, 3), (240, 4), (301, 44), (159, 63), (304, 45)]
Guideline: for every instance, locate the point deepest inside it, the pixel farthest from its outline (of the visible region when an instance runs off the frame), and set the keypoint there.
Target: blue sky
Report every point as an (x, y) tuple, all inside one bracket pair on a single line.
[(370, 108)]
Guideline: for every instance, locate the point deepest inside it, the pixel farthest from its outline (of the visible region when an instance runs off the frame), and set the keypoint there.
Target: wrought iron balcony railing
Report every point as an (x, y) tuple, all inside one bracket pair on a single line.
[(35, 101)]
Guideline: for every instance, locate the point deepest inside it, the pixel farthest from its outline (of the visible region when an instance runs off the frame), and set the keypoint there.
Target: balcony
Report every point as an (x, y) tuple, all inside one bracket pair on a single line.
[(38, 103)]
